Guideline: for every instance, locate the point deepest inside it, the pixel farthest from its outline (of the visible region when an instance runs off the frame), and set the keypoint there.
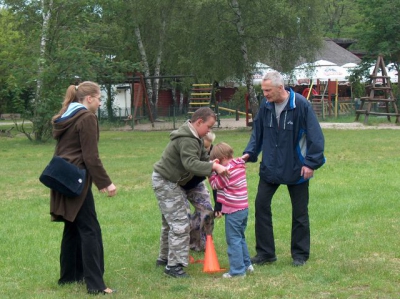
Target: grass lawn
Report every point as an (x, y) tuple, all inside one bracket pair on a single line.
[(354, 213)]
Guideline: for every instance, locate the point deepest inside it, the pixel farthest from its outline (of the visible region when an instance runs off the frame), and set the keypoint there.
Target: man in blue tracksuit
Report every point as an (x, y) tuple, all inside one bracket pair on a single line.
[(287, 132)]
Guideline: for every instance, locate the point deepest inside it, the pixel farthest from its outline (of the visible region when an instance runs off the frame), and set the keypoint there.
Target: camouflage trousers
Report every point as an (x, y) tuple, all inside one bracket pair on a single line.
[(202, 219), (175, 227)]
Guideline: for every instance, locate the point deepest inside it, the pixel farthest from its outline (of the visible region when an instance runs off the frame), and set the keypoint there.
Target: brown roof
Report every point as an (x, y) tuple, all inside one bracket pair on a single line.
[(332, 52)]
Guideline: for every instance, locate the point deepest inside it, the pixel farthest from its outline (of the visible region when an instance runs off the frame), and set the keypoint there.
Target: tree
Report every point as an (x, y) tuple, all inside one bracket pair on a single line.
[(147, 23), (41, 129), (221, 39), (24, 67), (56, 53), (378, 31), (212, 39), (340, 18), (10, 39)]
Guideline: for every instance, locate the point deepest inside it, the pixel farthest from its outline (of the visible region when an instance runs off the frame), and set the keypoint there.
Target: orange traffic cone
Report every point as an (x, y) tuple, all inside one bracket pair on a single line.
[(211, 264), (193, 261)]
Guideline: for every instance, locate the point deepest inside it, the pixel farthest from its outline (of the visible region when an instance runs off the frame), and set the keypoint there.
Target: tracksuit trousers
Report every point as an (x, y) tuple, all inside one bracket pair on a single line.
[(300, 239)]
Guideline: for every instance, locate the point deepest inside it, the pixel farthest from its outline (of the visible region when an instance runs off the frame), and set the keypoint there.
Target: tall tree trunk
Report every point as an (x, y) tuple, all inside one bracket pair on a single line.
[(46, 15), (156, 84), (146, 68), (248, 70)]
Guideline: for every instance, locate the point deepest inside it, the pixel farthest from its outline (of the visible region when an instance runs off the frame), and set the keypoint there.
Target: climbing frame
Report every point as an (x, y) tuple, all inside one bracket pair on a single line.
[(200, 96), (387, 102)]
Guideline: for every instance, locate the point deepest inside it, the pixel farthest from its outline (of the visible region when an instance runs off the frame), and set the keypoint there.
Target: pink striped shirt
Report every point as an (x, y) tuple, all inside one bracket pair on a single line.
[(231, 190)]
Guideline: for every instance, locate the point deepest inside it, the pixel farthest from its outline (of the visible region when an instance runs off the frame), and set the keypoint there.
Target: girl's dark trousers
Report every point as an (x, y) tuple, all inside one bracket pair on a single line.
[(82, 257)]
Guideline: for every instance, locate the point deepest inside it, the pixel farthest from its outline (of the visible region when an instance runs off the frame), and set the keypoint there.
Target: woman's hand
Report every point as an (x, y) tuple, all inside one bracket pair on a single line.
[(111, 190)]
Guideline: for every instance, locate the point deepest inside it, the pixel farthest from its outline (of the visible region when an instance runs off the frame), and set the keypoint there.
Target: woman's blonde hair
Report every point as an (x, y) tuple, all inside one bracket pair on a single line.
[(221, 150), (76, 93), (210, 136)]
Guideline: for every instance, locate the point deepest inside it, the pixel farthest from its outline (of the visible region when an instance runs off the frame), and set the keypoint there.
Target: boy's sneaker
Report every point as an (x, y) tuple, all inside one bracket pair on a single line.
[(227, 275), (250, 269), (161, 262), (175, 271)]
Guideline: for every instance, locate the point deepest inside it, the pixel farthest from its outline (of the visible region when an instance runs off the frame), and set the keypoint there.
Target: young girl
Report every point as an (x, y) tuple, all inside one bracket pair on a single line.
[(232, 194), (76, 130)]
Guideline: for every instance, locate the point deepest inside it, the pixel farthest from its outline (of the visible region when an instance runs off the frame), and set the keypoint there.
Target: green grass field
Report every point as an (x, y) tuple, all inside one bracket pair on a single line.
[(354, 213)]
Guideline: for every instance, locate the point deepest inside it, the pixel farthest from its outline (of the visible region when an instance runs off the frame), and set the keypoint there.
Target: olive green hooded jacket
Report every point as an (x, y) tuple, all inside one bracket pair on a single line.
[(184, 157)]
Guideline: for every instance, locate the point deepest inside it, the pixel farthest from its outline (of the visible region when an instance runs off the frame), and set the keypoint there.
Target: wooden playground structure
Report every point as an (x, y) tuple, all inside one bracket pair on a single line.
[(326, 98), (387, 103), (203, 95), (380, 101)]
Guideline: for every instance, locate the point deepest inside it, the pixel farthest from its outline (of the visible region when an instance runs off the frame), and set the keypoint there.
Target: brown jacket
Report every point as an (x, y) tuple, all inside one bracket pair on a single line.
[(77, 138)]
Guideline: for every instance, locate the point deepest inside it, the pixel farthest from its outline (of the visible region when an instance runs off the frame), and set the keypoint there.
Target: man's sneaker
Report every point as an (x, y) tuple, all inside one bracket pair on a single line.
[(298, 263), (175, 271), (260, 260), (227, 275), (161, 262), (250, 269)]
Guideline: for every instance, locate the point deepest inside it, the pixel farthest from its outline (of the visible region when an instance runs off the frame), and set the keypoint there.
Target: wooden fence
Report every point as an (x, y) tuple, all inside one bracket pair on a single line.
[(325, 108)]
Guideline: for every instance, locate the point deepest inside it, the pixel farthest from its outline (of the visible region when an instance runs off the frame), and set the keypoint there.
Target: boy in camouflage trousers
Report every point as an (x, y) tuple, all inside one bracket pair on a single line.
[(183, 158), (202, 218)]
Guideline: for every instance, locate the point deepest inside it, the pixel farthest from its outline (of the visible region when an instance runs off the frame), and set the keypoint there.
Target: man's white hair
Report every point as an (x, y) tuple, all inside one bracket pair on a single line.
[(275, 77)]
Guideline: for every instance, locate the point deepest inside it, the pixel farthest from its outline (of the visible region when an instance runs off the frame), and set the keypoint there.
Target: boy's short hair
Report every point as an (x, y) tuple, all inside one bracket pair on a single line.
[(203, 113), (220, 151)]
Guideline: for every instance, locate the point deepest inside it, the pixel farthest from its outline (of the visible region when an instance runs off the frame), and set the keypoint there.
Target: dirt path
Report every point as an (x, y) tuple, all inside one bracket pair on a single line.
[(358, 126), (231, 123)]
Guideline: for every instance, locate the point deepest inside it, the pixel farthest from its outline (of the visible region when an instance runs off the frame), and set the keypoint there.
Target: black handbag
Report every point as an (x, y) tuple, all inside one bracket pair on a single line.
[(63, 177)]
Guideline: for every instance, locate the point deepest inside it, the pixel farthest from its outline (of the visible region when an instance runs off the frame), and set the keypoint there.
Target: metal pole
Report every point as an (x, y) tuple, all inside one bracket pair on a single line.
[(173, 115), (336, 99), (132, 104)]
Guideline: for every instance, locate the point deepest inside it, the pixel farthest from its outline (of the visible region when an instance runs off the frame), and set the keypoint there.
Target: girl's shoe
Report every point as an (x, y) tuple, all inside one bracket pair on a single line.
[(227, 275), (250, 269), (107, 291)]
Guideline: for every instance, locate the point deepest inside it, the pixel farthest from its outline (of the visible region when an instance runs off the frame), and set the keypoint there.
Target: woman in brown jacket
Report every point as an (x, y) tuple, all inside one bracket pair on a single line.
[(76, 130)]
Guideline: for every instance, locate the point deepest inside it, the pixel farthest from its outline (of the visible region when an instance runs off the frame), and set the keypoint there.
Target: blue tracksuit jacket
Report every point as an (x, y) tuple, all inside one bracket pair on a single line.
[(297, 141)]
